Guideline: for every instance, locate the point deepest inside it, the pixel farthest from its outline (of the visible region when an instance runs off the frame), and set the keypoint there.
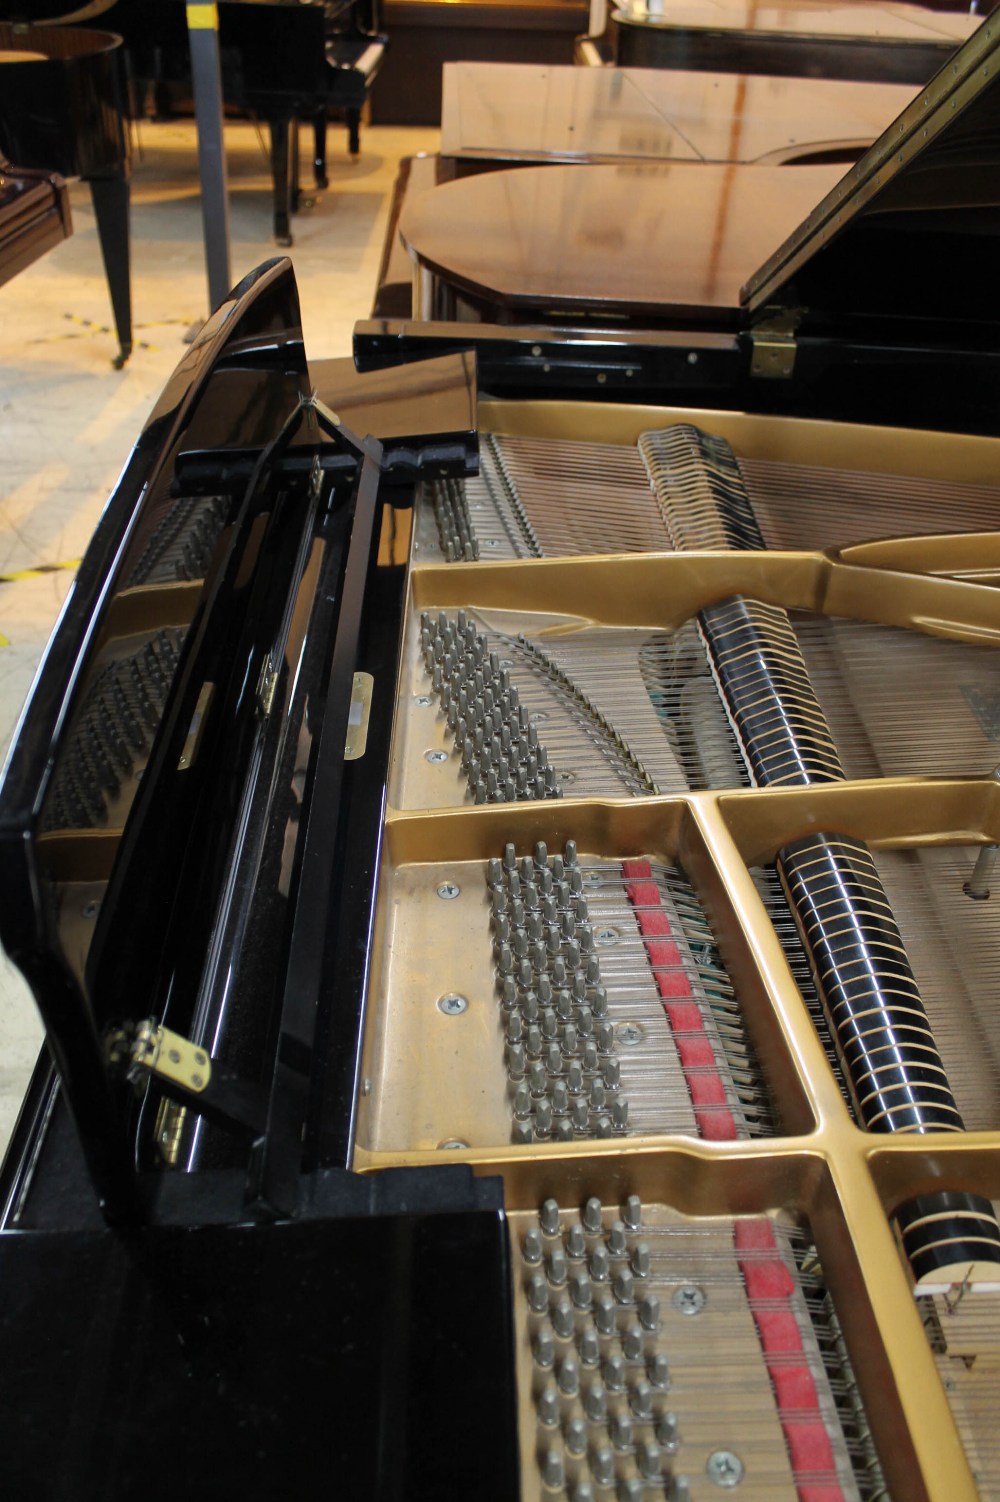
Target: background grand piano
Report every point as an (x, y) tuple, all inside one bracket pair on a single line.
[(283, 61), (61, 90)]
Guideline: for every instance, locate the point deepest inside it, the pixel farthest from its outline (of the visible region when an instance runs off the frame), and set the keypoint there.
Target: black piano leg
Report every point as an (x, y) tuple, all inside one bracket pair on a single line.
[(319, 152), (282, 136), (353, 113), (294, 198), (110, 196)]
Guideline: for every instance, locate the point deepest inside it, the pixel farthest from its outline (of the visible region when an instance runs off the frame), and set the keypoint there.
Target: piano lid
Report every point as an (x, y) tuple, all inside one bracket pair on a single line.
[(908, 233)]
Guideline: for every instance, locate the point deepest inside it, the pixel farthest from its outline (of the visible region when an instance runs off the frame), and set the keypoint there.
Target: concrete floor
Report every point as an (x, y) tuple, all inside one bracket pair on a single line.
[(68, 419)]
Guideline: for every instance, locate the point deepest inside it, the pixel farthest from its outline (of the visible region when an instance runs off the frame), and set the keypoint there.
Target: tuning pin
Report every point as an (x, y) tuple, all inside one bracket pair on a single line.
[(581, 1289), (563, 1321), (632, 1342), (576, 1245), (648, 1457), (557, 1266), (590, 1347), (633, 1212), (617, 1245), (538, 1079), (569, 1376), (600, 1264), (531, 1246), (604, 1314), (553, 1471), (621, 1431), (624, 1287), (640, 1259), (602, 1465), (649, 1311), (549, 1217), (595, 1402), (548, 1406), (614, 1374), (659, 1370), (592, 1215), (545, 1345), (576, 1436), (667, 1431), (538, 1293), (642, 1399)]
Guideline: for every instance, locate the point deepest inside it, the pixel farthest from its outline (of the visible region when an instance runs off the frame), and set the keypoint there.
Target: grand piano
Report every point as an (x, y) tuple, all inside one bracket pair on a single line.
[(61, 111), (283, 61), (504, 844)]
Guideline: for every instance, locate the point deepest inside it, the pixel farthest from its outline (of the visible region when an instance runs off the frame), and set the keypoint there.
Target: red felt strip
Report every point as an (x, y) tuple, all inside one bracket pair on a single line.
[(770, 1285), (768, 1281)]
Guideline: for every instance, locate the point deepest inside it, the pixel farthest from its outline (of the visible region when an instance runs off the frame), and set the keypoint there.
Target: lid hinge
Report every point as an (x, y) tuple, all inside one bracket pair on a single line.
[(146, 1052), (175, 1060), (772, 343)]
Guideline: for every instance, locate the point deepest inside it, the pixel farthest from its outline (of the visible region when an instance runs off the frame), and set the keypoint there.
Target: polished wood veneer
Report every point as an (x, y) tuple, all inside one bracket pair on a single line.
[(657, 240)]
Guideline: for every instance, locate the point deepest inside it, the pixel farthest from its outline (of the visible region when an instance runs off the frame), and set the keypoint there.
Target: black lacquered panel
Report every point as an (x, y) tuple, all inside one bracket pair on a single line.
[(367, 1358)]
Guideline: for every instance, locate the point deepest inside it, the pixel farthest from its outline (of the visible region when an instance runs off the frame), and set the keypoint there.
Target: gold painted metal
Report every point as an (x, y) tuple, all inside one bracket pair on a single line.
[(431, 1077), (165, 1054), (793, 440), (357, 723), (974, 556)]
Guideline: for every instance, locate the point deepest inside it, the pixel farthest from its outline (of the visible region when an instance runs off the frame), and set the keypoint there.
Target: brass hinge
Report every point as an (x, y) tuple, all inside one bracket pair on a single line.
[(157, 1051), (773, 345), (266, 685)]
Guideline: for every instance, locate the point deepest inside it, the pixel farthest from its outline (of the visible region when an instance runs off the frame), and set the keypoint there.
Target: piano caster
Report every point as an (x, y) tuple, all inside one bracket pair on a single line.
[(284, 241), (118, 363)]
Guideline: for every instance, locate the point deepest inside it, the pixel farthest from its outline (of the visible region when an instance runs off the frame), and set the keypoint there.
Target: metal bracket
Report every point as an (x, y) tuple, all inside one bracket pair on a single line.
[(266, 685), (773, 345), (357, 719), (167, 1056)]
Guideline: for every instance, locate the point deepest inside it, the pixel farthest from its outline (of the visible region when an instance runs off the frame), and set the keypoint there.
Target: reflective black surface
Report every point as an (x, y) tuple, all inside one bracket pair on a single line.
[(364, 1357), (60, 107), (242, 377)]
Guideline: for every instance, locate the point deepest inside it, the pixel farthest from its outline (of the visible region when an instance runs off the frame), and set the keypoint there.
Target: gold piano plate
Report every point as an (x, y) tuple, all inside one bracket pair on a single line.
[(673, 937)]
